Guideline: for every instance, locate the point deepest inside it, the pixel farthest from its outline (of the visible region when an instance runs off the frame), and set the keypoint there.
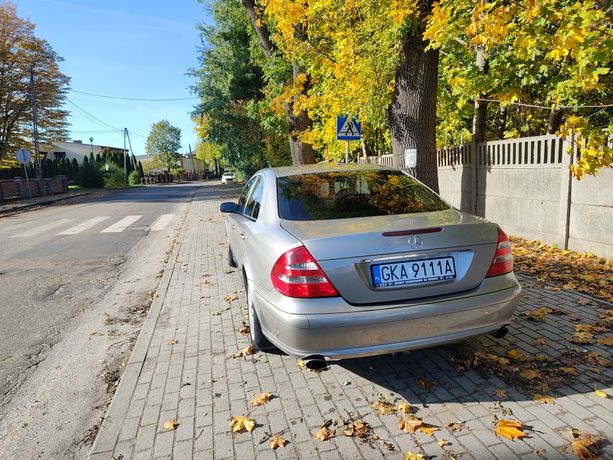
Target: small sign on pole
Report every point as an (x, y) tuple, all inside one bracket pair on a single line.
[(348, 129), (24, 156), (410, 160)]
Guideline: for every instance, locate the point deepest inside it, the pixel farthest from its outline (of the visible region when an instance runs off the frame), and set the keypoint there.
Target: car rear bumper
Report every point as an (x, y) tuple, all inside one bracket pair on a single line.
[(380, 331)]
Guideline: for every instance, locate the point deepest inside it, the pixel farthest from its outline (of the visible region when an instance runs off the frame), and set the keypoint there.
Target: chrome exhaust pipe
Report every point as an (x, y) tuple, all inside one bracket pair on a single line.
[(315, 362), (500, 333)]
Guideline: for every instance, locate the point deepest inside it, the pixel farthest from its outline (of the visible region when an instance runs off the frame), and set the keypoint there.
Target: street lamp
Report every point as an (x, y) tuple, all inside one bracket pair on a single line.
[(91, 141)]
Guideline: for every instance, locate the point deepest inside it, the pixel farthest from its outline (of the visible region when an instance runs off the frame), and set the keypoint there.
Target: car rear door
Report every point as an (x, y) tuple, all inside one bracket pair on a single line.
[(236, 221)]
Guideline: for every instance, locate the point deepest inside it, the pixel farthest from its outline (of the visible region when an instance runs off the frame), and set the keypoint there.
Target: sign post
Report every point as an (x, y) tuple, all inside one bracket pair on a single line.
[(348, 129), (24, 156)]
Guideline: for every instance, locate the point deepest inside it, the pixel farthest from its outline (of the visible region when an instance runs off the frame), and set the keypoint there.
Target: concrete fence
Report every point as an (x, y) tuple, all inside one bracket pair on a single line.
[(525, 186), (15, 189)]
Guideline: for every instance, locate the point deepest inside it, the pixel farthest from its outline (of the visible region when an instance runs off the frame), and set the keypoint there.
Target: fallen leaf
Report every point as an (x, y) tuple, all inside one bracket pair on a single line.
[(582, 338), (261, 399), (384, 407), (586, 445), (172, 342), (171, 424), (389, 447), (607, 341), (205, 281), (248, 350), (601, 394), (244, 330), (324, 434), (359, 429), (404, 407), (454, 426), (424, 383), (539, 314), (516, 355), (543, 399), (230, 297), (300, 363), (500, 393), (584, 302), (510, 429), (596, 359), (411, 456), (277, 441), (242, 423), (427, 430), (530, 374), (443, 442), (568, 371), (409, 423), (540, 342)]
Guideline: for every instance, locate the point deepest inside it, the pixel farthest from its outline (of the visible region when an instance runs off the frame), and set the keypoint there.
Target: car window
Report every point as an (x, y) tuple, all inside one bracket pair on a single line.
[(346, 194), (242, 200), (255, 199)]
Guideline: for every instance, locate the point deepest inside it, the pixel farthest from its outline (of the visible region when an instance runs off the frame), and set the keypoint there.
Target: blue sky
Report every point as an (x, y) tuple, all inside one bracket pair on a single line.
[(125, 48)]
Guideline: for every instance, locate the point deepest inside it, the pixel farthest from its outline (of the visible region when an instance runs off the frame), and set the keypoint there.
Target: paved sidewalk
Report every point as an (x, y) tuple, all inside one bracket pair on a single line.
[(196, 381)]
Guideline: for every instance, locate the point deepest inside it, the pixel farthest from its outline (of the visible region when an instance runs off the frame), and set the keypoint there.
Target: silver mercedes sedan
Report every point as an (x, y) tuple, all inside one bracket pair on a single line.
[(343, 261)]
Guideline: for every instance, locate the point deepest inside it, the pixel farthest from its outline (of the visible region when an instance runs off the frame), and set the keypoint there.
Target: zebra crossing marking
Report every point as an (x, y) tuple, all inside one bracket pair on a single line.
[(122, 224), (89, 223)]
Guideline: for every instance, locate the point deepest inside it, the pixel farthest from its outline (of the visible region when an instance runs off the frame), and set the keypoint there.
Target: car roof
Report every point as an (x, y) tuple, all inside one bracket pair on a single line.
[(285, 171)]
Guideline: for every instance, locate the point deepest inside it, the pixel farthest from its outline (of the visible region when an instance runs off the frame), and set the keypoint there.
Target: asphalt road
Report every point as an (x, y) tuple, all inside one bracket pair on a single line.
[(74, 280)]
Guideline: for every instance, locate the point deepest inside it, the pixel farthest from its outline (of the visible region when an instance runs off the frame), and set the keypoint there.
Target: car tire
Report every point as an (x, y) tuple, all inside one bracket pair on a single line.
[(257, 337), (231, 262)]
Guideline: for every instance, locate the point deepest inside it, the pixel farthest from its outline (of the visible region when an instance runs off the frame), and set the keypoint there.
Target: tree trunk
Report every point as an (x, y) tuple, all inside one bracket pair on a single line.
[(302, 153), (412, 113), (555, 120)]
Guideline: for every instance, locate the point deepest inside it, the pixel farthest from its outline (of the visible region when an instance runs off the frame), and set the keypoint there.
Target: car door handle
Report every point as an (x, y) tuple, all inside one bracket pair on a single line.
[(242, 236)]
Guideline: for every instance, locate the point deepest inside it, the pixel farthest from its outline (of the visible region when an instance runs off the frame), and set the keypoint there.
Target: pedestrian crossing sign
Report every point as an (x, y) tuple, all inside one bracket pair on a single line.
[(348, 129)]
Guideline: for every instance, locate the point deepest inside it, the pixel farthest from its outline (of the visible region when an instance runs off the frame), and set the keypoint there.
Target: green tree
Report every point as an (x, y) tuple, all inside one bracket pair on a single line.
[(163, 144), (20, 48)]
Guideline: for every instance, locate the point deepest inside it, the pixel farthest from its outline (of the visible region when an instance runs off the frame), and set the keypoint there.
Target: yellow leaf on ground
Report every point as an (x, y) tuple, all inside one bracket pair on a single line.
[(586, 445), (582, 338), (324, 434), (244, 329), (172, 342), (171, 424), (543, 399), (412, 456), (601, 394), (230, 297), (427, 430), (515, 354), (443, 442), (500, 393), (568, 371), (300, 363), (242, 423), (454, 426), (540, 342), (424, 383), (244, 352), (597, 359), (530, 374), (277, 441), (404, 407), (539, 314), (510, 429), (607, 341), (409, 423), (260, 399), (384, 407)]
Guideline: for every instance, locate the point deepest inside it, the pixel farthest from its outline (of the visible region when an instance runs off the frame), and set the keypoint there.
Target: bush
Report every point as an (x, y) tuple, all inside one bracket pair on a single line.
[(134, 178), (90, 176), (113, 177)]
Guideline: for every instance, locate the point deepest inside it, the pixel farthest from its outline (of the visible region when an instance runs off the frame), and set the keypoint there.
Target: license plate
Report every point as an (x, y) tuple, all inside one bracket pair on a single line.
[(413, 272)]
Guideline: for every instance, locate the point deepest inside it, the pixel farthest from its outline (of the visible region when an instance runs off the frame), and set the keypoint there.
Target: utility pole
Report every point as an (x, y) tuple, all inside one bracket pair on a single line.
[(125, 168), (34, 124)]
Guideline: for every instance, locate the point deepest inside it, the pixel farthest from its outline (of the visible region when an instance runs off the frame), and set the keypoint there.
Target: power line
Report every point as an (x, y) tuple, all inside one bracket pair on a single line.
[(560, 107), (143, 99), (97, 120)]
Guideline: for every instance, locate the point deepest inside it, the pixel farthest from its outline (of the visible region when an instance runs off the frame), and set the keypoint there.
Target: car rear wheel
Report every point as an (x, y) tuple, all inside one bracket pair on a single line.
[(231, 261), (258, 339)]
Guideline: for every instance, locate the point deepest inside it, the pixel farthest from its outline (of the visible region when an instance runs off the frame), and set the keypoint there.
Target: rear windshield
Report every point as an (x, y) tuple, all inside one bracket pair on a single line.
[(345, 194)]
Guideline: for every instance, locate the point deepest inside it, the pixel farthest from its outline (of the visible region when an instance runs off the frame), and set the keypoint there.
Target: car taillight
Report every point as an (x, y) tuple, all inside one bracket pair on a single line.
[(297, 274), (503, 258)]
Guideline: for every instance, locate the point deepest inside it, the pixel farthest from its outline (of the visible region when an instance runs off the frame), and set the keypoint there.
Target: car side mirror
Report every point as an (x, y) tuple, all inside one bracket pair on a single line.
[(227, 206)]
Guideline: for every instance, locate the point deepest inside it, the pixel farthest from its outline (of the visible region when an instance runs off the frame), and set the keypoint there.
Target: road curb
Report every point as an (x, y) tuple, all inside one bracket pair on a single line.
[(25, 207), (108, 434)]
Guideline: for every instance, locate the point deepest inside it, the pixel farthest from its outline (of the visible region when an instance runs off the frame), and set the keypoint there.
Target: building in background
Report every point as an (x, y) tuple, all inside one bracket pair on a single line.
[(75, 149)]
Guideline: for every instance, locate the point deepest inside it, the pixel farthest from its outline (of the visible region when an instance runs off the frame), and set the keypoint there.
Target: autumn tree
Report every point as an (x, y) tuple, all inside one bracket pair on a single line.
[(20, 49), (163, 144), (548, 70)]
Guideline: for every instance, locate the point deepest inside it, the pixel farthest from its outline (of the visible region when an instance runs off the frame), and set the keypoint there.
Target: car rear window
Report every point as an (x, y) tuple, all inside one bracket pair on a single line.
[(346, 194)]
